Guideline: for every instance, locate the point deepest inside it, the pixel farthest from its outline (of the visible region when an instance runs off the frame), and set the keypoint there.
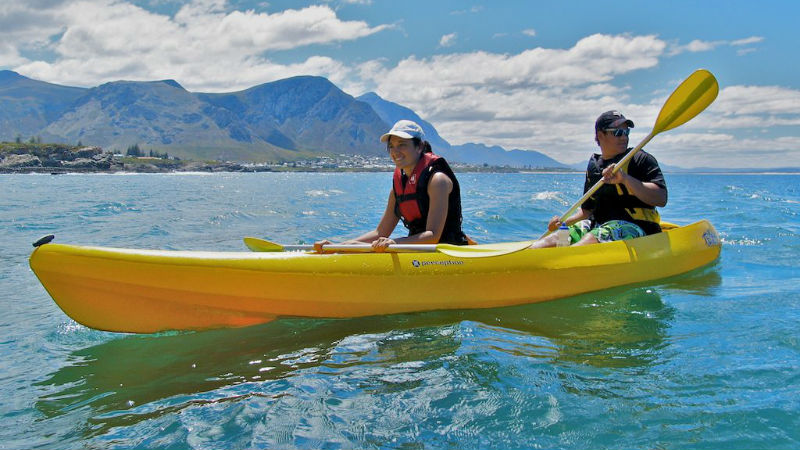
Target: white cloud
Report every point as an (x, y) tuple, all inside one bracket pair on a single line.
[(698, 45), (538, 99), (287, 29), (529, 32), (472, 10), (26, 27), (748, 41), (726, 150), (694, 46), (203, 45), (702, 46), (596, 58), (10, 56), (448, 40), (757, 100)]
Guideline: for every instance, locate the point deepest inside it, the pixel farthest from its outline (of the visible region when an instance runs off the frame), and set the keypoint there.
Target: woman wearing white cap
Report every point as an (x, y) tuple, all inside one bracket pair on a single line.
[(425, 194)]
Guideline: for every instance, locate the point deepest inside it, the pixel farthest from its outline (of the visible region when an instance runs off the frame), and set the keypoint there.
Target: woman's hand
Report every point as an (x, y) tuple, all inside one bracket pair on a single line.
[(318, 245), (379, 245)]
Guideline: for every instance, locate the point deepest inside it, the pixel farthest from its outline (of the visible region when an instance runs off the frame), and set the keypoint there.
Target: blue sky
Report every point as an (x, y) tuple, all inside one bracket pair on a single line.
[(520, 74)]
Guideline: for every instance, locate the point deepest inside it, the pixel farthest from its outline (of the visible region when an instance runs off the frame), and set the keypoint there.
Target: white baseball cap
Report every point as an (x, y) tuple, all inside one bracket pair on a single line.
[(405, 129)]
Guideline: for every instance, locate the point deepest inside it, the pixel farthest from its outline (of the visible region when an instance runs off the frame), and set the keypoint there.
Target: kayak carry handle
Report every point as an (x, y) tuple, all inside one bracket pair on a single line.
[(44, 240)]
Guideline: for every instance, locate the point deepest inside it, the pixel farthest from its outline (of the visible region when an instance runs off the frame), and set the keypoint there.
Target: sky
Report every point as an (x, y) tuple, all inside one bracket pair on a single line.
[(520, 74)]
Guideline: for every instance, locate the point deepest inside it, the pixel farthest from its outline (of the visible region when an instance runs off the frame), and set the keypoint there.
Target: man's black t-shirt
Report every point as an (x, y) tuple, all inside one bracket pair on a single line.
[(614, 202)]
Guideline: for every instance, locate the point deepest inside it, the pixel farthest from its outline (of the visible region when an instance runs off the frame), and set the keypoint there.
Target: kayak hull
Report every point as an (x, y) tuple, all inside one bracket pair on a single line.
[(146, 291)]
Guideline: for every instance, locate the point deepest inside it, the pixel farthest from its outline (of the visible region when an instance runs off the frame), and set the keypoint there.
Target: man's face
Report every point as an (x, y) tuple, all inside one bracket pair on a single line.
[(614, 140)]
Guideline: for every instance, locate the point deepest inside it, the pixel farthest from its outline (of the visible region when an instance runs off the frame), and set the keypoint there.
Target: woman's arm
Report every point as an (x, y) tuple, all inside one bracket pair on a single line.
[(439, 189)]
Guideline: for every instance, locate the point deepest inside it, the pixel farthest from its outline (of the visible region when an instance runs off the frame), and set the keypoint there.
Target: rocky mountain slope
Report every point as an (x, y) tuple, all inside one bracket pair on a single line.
[(291, 119)]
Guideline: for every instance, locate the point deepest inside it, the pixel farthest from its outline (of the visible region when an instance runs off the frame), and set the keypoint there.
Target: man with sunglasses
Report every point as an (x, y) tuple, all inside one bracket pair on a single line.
[(625, 206)]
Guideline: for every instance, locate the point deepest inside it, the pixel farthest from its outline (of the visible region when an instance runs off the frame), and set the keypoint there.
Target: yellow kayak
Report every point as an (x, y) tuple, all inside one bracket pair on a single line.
[(144, 291)]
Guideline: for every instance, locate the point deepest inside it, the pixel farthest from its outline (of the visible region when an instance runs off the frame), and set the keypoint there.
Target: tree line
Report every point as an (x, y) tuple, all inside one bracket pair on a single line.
[(135, 151)]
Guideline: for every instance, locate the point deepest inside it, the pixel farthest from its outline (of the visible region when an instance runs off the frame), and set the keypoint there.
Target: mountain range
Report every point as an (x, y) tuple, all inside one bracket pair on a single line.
[(284, 120)]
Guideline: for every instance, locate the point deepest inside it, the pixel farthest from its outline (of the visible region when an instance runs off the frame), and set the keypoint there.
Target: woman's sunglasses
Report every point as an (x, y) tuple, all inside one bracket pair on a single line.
[(619, 131)]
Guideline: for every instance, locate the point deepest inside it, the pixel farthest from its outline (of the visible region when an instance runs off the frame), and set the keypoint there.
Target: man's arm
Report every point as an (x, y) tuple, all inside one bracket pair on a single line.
[(650, 193)]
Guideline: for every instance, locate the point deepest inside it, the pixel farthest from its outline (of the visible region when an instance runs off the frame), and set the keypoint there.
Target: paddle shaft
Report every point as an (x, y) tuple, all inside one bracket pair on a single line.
[(457, 251), (262, 245), (364, 248)]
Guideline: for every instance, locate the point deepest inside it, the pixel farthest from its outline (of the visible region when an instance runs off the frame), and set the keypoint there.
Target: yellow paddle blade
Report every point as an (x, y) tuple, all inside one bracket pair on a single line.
[(261, 245), (688, 100), (482, 250)]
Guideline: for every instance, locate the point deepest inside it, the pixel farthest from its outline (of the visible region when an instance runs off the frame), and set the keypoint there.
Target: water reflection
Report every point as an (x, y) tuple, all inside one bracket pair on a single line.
[(704, 281), (134, 378)]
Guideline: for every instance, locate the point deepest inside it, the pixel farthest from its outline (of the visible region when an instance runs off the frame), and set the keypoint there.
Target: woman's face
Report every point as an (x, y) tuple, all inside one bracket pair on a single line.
[(403, 152)]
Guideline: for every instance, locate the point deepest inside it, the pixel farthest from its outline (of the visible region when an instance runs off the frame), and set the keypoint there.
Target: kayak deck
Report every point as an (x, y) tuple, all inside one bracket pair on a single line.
[(144, 291)]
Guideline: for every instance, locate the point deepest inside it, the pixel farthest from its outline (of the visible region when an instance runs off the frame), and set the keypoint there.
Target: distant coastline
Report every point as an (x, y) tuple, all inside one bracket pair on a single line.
[(33, 157)]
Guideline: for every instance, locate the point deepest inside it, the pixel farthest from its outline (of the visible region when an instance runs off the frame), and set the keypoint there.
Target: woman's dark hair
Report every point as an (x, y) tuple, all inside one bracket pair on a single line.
[(426, 146)]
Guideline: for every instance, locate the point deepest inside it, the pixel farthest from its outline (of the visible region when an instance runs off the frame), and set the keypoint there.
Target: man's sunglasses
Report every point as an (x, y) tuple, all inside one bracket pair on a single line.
[(619, 131)]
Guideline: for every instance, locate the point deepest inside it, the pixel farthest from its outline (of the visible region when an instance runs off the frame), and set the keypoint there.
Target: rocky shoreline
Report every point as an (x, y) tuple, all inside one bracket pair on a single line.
[(55, 159)]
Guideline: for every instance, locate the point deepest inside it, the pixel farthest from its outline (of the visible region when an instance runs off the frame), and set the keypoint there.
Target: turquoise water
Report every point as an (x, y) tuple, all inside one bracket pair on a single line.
[(709, 359)]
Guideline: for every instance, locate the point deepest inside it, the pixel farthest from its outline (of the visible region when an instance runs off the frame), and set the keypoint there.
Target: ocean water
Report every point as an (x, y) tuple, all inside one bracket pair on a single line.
[(709, 359)]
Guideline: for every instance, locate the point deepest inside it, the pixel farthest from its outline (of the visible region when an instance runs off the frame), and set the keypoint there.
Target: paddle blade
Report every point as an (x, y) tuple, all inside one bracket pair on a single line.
[(688, 100), (261, 245)]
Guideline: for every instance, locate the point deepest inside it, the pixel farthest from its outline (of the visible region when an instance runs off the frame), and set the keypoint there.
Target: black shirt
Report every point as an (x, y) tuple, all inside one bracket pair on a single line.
[(613, 201)]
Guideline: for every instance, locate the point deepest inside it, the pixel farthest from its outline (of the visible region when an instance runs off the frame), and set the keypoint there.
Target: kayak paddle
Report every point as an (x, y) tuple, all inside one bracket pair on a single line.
[(460, 251), (262, 245), (689, 99)]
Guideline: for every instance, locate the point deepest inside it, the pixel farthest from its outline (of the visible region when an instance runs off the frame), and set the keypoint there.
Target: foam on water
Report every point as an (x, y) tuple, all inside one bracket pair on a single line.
[(540, 196)]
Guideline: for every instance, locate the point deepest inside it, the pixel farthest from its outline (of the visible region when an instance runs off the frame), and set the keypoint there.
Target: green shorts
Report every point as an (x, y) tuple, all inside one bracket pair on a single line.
[(613, 230)]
